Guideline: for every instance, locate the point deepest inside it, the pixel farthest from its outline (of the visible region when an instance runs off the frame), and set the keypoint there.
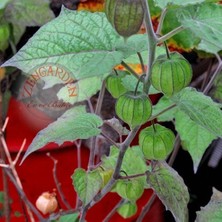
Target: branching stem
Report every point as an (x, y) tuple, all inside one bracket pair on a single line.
[(152, 41)]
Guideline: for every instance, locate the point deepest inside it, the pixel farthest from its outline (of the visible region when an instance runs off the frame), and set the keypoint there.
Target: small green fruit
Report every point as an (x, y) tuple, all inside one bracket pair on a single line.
[(170, 75), (134, 109), (129, 189), (156, 142), (126, 16), (114, 85)]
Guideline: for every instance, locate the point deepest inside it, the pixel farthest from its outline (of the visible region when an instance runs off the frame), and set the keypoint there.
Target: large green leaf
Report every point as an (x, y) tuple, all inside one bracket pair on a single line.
[(72, 125), (195, 139), (171, 190), (205, 22), (164, 3), (211, 213), (86, 88), (185, 39), (86, 184), (83, 42), (201, 109)]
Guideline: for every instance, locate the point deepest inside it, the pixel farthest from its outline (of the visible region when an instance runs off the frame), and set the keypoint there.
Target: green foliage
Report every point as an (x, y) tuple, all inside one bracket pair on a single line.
[(163, 104), (201, 109), (199, 20), (25, 13), (72, 125), (87, 44), (212, 212), (86, 184), (127, 210), (69, 218), (170, 188), (137, 166), (195, 139), (163, 3)]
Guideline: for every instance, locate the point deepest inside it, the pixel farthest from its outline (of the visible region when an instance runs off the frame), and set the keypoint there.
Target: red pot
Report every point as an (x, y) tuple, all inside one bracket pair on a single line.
[(36, 171)]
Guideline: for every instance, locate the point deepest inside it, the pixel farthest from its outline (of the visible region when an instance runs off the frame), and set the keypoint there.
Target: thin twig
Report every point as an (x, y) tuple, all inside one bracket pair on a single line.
[(57, 183), (141, 62), (100, 98), (110, 140), (5, 124), (132, 176), (175, 150), (146, 208), (15, 174), (163, 111), (6, 203), (78, 146), (210, 83), (97, 112), (128, 68), (207, 74), (113, 211), (19, 152), (90, 106), (23, 196), (159, 28), (170, 34)]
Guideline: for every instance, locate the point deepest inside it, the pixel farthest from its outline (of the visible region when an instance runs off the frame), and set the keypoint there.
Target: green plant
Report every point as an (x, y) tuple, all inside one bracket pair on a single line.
[(91, 50)]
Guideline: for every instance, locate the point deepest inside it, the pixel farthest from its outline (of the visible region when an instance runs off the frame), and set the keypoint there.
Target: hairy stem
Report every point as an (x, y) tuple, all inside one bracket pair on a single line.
[(163, 14), (163, 111), (57, 183), (109, 185), (146, 208), (170, 34), (141, 62), (152, 41), (175, 150), (128, 68), (210, 83), (97, 112), (113, 211)]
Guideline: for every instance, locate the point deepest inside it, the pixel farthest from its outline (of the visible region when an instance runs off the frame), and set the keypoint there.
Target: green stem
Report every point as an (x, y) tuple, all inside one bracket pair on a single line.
[(141, 62), (109, 185), (137, 85), (160, 25), (161, 112), (167, 50), (170, 34), (128, 68), (152, 41)]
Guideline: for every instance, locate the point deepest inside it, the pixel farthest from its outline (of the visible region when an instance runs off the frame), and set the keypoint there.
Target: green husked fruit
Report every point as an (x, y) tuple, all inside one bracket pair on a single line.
[(134, 109), (114, 85), (156, 142), (126, 16), (170, 75), (129, 189)]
